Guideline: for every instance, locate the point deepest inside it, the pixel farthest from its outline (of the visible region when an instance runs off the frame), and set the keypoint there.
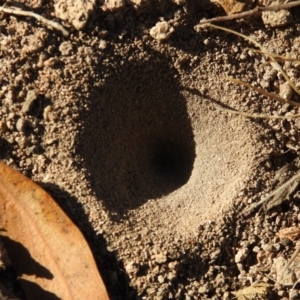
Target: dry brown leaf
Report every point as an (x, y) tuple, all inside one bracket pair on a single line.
[(291, 233), (47, 250)]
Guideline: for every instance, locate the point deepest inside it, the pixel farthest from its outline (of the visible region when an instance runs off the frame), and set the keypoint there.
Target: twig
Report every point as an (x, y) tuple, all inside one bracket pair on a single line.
[(248, 210), (258, 116), (50, 23), (290, 262), (275, 64), (290, 296), (262, 91), (257, 10), (277, 56)]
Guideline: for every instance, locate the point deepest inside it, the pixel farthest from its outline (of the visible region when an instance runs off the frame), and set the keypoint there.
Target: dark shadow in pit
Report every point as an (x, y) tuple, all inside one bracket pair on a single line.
[(137, 142)]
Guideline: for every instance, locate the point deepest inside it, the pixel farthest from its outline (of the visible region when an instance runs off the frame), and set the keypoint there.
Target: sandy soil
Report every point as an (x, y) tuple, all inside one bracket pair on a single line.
[(130, 136)]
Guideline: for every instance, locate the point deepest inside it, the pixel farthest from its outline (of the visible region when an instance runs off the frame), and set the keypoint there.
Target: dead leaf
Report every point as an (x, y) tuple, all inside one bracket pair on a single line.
[(47, 250), (291, 233), (258, 291)]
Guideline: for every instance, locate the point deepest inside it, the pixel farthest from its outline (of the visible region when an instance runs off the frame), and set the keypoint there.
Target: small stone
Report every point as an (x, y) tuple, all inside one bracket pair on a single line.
[(31, 44), (9, 124), (172, 265), (240, 267), (102, 44), (171, 276), (264, 84), (50, 141), (46, 112), (113, 4), (268, 247), (31, 150), (243, 56), (66, 48), (285, 91), (276, 247), (161, 31), (214, 255), (244, 235), (281, 293), (277, 18), (241, 255), (51, 62), (21, 124), (75, 11), (30, 98), (150, 291), (256, 249), (160, 279), (160, 258), (131, 268), (203, 289)]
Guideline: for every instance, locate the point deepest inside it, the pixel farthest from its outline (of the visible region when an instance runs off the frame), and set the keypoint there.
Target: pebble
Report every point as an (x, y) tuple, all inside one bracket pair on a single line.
[(172, 265), (161, 31), (256, 249), (21, 124), (46, 112), (277, 18), (10, 125), (214, 255), (66, 48), (77, 12), (51, 62), (30, 98), (131, 268), (241, 255), (171, 276), (276, 247), (268, 247), (203, 289), (160, 279), (160, 258), (285, 91), (102, 44)]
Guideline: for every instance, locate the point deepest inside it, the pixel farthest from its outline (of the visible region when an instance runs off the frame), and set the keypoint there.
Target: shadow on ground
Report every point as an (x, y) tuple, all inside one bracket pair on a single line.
[(111, 269)]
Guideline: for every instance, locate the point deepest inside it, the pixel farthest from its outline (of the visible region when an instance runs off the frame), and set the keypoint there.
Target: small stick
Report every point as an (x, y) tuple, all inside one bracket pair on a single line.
[(257, 10), (294, 284), (50, 23), (258, 116), (275, 65), (297, 250), (262, 91), (277, 56), (248, 210)]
